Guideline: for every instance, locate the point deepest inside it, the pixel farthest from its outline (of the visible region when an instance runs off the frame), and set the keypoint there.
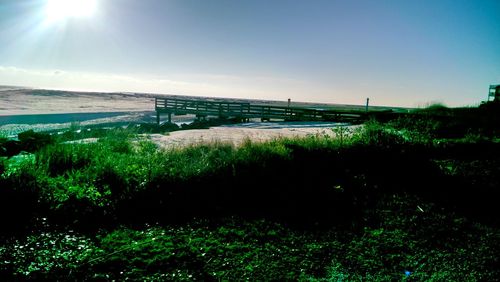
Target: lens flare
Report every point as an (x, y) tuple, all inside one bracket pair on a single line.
[(65, 9)]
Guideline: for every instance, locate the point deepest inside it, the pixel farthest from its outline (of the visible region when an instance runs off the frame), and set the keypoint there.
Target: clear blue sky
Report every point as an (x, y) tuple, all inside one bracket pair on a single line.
[(396, 52)]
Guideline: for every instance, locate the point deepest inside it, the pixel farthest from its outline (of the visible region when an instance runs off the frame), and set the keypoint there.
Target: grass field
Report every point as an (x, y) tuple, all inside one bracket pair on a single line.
[(410, 199)]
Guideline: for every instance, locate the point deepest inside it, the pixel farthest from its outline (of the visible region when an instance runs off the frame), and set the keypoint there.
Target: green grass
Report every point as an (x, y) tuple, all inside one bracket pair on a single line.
[(427, 243), (394, 201)]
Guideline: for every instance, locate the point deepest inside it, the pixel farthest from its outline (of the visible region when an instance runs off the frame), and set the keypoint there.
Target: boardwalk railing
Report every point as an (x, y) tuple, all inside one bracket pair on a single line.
[(243, 110)]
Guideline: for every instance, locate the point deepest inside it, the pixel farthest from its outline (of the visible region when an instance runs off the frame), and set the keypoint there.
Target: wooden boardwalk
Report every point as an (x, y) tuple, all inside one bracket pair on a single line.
[(201, 107)]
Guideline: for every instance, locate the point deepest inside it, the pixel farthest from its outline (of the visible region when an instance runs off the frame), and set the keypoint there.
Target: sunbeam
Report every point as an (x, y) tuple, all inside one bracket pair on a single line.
[(57, 10)]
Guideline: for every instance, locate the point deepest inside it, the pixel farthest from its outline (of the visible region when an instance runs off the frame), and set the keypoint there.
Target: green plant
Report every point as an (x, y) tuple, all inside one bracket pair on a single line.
[(61, 158), (32, 141), (342, 133), (378, 203), (46, 255)]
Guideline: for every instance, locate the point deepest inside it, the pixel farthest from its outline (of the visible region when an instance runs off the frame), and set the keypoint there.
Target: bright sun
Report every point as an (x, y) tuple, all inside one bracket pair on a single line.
[(65, 9)]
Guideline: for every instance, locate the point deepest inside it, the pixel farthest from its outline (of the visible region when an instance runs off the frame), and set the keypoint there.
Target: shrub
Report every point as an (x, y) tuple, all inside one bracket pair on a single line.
[(114, 180), (114, 142), (32, 141), (61, 158), (435, 108), (376, 135)]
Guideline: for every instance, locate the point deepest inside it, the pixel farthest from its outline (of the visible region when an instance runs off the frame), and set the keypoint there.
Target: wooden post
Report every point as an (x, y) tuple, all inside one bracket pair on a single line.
[(158, 117), (287, 112), (367, 101), (169, 117)]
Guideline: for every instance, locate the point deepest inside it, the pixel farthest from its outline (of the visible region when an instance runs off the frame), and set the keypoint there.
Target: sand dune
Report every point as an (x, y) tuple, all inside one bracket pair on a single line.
[(31, 101)]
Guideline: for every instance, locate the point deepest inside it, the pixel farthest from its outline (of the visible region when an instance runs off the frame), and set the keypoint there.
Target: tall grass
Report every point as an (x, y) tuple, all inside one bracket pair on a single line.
[(123, 177), (373, 183)]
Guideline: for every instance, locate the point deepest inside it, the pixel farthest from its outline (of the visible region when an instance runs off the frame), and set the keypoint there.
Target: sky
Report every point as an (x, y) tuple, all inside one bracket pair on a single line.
[(395, 52)]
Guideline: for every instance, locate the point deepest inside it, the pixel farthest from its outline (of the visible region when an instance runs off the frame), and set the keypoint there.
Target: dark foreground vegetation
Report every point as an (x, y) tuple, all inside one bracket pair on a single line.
[(413, 198)]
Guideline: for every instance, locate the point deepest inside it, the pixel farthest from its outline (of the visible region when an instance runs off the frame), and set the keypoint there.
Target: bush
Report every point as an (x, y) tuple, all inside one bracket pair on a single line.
[(377, 135), (32, 141), (61, 158)]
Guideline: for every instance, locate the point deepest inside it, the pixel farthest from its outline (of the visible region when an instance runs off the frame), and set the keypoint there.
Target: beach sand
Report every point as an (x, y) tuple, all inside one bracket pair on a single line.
[(22, 109), (238, 134)]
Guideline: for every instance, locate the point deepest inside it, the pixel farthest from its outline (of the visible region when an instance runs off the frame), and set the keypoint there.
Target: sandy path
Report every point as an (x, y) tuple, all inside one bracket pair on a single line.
[(236, 135)]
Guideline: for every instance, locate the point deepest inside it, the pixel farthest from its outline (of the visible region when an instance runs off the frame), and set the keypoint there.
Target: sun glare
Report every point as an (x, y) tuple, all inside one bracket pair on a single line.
[(65, 9)]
